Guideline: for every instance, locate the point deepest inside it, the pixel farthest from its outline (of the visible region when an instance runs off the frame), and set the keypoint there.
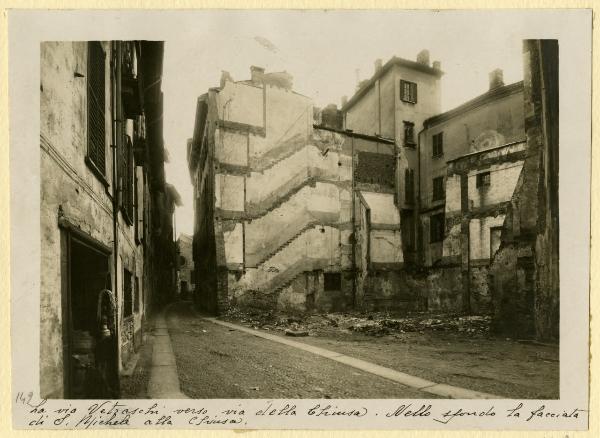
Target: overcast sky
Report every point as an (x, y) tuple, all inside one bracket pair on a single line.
[(325, 52)]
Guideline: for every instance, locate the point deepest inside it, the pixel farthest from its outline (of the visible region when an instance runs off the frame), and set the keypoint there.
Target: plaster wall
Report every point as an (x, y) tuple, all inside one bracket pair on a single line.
[(489, 125), (70, 189), (479, 235), (503, 179)]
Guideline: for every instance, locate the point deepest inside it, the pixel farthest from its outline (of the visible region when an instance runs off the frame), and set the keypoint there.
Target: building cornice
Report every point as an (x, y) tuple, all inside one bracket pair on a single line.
[(490, 96)]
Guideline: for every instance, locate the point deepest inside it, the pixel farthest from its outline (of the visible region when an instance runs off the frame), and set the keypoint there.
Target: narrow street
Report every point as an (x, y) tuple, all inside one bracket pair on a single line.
[(214, 361), (218, 359)]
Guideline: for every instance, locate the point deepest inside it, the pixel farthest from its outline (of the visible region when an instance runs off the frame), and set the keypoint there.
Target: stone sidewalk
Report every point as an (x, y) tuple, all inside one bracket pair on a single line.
[(164, 380)]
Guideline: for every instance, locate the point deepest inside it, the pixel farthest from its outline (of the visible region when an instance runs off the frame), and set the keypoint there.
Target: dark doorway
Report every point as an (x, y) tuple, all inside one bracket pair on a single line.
[(89, 315)]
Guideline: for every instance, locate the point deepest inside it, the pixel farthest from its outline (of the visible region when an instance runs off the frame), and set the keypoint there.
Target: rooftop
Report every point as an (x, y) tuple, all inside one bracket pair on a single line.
[(488, 96), (394, 61)]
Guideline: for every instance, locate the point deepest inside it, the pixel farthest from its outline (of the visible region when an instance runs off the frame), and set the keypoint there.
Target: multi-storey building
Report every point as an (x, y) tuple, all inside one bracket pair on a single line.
[(386, 204), (277, 224), (394, 103), (104, 210)]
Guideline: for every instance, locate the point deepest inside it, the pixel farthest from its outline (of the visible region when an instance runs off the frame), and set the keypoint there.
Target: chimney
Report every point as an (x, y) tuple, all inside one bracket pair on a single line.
[(378, 65), (423, 57), (496, 79), (344, 101), (437, 65), (225, 77), (256, 73)]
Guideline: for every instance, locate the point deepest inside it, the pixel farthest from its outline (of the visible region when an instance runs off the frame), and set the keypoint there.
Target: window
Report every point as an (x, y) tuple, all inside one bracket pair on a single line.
[(436, 228), (96, 154), (408, 91), (408, 229), (483, 179), (127, 293), (439, 191), (126, 171), (333, 281), (409, 186), (409, 134), (136, 296), (438, 145)]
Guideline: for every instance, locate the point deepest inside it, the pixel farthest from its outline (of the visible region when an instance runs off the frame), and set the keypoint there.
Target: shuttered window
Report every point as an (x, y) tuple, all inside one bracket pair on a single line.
[(408, 91), (436, 227), (439, 191), (126, 177), (438, 145), (96, 106)]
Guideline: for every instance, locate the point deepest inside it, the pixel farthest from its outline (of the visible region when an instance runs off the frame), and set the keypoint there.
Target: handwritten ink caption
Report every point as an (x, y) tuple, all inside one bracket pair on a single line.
[(73, 414)]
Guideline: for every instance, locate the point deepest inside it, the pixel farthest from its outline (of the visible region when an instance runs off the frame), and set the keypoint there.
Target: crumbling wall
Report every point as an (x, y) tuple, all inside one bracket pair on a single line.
[(525, 269)]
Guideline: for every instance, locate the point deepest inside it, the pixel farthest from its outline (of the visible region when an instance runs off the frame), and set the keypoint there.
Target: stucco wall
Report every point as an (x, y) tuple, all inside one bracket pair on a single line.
[(69, 186), (492, 124)]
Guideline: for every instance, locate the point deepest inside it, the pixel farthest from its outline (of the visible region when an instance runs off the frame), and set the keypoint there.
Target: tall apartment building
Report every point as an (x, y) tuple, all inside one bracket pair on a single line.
[(106, 225), (394, 103)]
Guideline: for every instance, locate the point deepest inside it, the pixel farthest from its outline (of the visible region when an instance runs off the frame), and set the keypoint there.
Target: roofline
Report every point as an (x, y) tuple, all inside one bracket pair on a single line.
[(351, 133), (488, 96), (383, 70)]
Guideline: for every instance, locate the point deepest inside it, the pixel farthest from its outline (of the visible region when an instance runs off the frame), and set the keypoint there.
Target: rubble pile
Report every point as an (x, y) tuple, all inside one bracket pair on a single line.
[(373, 324)]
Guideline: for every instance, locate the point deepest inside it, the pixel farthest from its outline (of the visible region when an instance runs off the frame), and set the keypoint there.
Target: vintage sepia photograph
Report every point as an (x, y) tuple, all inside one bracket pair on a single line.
[(300, 206)]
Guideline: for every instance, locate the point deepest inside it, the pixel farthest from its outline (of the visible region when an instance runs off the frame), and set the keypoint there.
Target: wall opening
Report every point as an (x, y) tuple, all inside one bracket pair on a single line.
[(89, 318)]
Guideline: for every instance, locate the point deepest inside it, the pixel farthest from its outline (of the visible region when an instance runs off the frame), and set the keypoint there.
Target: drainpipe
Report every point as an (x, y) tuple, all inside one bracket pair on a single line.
[(418, 235), (349, 132), (116, 146)]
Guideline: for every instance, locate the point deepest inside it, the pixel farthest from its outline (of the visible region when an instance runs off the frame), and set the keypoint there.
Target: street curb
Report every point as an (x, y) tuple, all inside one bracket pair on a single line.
[(164, 380), (415, 382)]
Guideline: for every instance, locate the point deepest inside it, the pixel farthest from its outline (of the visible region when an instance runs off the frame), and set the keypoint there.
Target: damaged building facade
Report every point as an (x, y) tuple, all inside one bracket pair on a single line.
[(386, 204), (106, 211)]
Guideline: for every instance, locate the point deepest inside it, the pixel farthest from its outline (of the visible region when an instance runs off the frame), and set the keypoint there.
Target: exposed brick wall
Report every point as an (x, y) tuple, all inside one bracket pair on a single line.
[(374, 168)]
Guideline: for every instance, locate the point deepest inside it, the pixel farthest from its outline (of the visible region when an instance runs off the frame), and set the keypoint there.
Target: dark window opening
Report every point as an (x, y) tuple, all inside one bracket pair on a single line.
[(96, 138), (409, 134), (136, 296), (439, 191), (333, 281), (127, 293), (408, 91), (436, 227), (438, 145), (126, 178), (483, 179)]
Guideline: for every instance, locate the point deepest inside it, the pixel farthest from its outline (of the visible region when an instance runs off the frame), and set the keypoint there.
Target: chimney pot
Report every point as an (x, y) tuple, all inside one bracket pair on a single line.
[(225, 77), (378, 64), (256, 73), (344, 101), (423, 57), (496, 78)]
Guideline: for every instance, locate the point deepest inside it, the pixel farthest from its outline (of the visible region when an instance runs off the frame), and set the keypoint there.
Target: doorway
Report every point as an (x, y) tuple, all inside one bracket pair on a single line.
[(89, 320)]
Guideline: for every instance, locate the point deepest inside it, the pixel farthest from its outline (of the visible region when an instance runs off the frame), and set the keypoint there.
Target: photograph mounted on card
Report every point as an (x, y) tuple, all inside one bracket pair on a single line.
[(300, 221)]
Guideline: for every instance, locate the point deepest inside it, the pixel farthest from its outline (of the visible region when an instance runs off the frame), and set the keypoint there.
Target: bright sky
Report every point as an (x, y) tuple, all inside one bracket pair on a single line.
[(323, 51)]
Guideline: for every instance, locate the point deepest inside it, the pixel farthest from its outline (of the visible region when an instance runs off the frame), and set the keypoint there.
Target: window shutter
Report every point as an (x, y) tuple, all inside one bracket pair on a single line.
[(96, 106)]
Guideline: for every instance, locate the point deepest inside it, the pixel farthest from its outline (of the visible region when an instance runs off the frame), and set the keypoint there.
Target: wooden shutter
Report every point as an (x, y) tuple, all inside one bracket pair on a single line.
[(96, 106)]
